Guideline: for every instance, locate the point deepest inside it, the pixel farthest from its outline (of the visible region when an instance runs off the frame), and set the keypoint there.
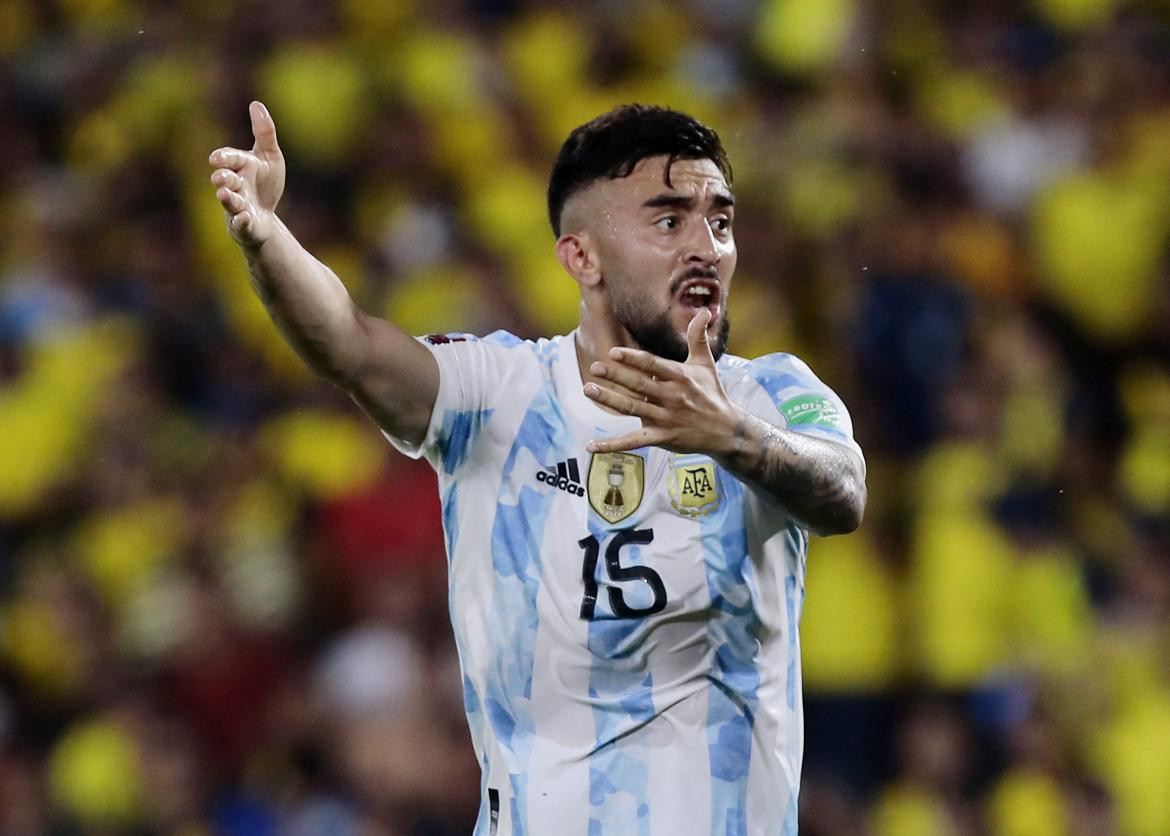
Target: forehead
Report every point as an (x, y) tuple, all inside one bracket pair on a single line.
[(699, 178)]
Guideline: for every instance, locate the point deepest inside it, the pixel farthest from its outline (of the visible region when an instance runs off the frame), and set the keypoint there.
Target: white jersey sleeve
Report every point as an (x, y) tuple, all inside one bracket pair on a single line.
[(783, 390), (474, 374)]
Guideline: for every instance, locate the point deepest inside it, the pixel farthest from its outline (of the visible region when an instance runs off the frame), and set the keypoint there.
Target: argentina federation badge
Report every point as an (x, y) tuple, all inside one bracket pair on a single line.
[(616, 482), (694, 490)]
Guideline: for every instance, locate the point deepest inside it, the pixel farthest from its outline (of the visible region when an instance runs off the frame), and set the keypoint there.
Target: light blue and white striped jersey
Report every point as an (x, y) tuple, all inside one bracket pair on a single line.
[(626, 623)]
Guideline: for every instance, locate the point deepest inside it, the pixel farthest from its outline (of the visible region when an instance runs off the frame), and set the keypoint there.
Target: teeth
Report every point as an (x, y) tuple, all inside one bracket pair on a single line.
[(699, 290)]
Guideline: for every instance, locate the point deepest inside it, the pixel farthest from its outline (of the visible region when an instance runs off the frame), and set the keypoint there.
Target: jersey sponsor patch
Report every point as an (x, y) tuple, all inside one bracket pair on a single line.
[(616, 482), (693, 488), (811, 411)]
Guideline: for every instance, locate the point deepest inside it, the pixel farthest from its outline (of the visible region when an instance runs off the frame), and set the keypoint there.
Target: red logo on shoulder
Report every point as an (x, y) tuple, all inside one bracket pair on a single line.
[(443, 339)]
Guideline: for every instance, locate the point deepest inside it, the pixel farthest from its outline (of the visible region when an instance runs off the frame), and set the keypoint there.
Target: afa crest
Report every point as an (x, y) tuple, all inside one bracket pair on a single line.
[(694, 489), (616, 483)]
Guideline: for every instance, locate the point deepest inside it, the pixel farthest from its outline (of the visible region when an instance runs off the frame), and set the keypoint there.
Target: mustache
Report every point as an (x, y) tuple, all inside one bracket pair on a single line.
[(694, 273)]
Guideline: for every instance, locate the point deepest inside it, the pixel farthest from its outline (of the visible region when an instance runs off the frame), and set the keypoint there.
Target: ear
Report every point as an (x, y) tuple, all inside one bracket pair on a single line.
[(576, 253)]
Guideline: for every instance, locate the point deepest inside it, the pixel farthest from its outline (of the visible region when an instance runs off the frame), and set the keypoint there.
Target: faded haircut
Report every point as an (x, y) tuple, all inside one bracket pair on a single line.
[(614, 143)]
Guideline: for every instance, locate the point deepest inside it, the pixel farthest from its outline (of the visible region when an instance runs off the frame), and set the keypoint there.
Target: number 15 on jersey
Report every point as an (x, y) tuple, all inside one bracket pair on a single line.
[(618, 574)]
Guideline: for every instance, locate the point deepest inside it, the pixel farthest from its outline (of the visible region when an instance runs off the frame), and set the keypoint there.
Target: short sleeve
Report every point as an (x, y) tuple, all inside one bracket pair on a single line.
[(473, 377), (788, 393)]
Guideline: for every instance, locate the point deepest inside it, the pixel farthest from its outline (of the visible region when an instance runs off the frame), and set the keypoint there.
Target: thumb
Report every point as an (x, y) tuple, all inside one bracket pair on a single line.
[(263, 128), (699, 348)]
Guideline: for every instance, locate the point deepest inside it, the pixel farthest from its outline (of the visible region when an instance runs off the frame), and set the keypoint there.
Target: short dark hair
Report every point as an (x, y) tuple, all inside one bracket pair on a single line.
[(615, 142)]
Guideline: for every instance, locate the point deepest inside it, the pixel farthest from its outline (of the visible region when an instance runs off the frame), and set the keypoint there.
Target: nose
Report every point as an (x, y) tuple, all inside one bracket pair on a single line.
[(701, 245)]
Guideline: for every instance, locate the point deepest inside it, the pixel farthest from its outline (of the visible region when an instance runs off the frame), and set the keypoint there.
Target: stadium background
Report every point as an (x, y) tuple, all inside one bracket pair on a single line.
[(222, 602)]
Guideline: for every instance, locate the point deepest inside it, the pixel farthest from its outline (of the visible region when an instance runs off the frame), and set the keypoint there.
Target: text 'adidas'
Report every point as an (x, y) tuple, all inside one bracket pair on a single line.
[(565, 476)]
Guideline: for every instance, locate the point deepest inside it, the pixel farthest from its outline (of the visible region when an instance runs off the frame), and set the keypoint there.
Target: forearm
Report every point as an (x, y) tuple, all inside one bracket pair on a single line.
[(391, 376), (820, 484), (309, 304)]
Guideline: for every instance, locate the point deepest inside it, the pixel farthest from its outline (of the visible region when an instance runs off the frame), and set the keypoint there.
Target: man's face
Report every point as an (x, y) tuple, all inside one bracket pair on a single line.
[(667, 252)]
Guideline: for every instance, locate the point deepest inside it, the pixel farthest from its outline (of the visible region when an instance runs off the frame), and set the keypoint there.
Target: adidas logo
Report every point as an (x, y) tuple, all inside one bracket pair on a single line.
[(565, 476)]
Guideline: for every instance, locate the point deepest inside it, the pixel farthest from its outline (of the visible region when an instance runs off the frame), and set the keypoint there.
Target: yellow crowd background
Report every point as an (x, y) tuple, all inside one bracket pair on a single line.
[(222, 600)]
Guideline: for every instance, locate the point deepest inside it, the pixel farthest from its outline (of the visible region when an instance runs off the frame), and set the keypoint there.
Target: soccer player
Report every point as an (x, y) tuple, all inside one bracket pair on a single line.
[(626, 507)]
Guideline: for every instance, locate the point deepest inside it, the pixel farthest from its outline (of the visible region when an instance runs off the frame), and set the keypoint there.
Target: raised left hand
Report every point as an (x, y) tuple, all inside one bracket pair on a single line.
[(683, 406)]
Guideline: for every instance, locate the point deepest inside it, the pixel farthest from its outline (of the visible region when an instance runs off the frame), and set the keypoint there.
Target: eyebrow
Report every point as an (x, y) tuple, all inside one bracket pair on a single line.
[(721, 200)]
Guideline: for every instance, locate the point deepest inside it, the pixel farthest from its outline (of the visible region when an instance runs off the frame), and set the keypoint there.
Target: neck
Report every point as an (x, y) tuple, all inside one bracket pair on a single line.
[(596, 335)]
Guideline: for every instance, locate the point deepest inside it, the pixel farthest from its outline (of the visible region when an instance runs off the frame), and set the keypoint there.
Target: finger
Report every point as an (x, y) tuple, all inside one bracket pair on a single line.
[(241, 221), (651, 364), (231, 201), (633, 379), (232, 158), (697, 343), (263, 128), (227, 177), (629, 441), (623, 403)]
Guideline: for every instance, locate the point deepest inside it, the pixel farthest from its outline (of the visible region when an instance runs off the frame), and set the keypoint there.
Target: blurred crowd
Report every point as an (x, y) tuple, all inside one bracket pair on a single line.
[(222, 596)]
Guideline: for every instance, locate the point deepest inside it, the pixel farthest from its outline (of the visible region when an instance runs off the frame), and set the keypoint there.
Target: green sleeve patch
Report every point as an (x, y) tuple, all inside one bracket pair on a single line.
[(811, 411)]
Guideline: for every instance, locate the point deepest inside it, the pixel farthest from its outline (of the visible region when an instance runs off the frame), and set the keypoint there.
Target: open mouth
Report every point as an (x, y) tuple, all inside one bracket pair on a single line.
[(700, 293)]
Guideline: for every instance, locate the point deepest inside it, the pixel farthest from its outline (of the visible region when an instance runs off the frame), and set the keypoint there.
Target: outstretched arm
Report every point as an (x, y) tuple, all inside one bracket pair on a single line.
[(819, 483), (384, 369)]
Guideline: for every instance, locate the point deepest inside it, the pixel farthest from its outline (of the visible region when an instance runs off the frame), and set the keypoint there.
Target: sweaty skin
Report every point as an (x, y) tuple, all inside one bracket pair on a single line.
[(626, 255)]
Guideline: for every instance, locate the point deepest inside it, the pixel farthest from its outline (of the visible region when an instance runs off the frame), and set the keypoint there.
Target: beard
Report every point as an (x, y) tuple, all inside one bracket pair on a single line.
[(655, 333)]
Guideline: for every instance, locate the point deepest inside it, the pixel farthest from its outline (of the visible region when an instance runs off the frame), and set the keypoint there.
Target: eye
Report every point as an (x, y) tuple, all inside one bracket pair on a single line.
[(667, 223), (721, 223)]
